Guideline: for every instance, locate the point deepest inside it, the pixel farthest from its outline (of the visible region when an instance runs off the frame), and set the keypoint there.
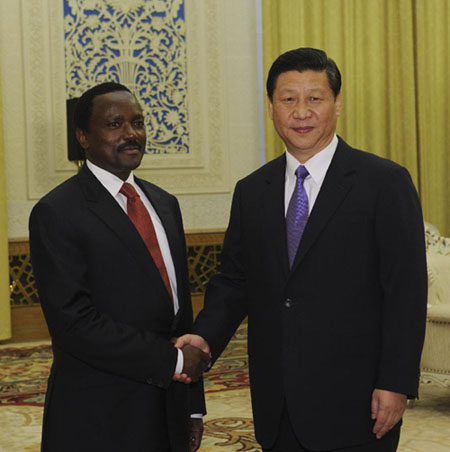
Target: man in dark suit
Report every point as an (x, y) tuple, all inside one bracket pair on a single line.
[(325, 254), (108, 254)]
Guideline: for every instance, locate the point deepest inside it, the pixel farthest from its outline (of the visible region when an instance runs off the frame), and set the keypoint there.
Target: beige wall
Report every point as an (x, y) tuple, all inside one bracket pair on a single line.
[(223, 109)]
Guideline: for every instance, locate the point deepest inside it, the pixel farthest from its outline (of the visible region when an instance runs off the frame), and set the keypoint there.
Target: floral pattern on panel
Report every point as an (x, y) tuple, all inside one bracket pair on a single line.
[(141, 44)]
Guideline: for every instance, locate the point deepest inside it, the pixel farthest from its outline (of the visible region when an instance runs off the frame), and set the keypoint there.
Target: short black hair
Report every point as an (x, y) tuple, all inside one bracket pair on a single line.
[(83, 109), (303, 59)]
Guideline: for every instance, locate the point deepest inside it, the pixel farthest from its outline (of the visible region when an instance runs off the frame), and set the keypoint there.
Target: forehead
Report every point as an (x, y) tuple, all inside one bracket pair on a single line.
[(309, 79), (116, 102)]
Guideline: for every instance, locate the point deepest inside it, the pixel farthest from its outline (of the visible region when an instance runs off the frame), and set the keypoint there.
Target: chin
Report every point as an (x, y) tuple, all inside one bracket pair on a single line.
[(134, 162)]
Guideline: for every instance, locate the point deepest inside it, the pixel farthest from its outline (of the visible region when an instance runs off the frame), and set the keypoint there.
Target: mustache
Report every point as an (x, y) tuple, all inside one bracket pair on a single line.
[(129, 144)]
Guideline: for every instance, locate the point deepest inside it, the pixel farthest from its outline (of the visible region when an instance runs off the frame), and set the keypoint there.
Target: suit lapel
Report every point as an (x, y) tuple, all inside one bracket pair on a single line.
[(337, 183), (168, 220), (105, 207), (273, 212)]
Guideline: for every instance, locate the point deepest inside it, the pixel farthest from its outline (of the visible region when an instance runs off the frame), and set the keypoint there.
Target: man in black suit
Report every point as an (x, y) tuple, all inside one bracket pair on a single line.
[(108, 254), (336, 308)]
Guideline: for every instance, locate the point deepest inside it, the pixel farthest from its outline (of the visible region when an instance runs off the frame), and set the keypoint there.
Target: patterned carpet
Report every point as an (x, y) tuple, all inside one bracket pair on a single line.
[(228, 425)]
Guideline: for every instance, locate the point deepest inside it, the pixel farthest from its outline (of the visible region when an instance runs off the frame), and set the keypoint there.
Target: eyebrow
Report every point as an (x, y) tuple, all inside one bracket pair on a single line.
[(119, 117), (311, 90), (109, 118)]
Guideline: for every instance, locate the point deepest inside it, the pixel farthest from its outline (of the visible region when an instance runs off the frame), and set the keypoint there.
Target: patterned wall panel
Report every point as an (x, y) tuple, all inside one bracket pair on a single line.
[(142, 44), (184, 41), (203, 251), (203, 255), (22, 283)]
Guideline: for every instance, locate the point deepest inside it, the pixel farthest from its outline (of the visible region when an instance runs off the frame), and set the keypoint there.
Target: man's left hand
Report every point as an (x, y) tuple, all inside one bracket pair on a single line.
[(195, 434), (387, 408)]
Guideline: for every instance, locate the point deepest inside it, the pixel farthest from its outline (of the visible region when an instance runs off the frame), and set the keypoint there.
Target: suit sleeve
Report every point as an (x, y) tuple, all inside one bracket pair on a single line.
[(197, 395), (226, 294), (400, 239), (76, 326)]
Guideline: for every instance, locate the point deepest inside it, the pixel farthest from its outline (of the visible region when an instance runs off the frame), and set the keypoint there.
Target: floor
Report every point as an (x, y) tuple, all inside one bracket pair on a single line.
[(228, 425)]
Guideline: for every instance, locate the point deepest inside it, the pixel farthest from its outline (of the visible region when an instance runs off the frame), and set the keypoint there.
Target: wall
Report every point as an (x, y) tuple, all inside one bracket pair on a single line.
[(222, 108)]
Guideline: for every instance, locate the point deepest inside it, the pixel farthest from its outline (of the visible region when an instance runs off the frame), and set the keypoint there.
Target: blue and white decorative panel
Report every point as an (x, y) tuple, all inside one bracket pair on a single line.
[(141, 44)]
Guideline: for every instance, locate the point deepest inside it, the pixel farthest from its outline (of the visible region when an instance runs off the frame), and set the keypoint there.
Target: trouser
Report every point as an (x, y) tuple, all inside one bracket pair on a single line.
[(288, 442)]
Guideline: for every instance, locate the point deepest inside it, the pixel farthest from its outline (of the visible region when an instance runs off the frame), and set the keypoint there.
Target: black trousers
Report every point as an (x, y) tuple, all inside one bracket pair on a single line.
[(288, 442)]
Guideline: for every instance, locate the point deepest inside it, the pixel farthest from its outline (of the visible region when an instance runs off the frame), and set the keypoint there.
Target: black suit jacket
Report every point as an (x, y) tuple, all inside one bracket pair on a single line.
[(111, 320), (347, 318)]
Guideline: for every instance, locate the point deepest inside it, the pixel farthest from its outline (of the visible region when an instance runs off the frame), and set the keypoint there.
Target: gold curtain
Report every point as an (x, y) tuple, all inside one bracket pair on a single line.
[(433, 97), (5, 314), (385, 51)]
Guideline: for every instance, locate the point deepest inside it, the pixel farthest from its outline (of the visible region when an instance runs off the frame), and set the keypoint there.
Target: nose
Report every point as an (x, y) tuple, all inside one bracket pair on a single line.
[(301, 111), (128, 132)]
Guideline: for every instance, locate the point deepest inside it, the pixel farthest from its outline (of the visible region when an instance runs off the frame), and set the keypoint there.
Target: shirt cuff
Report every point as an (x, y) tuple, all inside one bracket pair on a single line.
[(196, 416), (180, 362)]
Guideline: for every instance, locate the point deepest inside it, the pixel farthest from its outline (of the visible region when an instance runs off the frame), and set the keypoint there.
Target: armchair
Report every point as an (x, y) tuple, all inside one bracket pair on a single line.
[(435, 363)]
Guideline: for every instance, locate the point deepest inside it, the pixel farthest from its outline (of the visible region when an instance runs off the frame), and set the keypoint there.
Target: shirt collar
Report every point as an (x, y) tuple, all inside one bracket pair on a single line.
[(111, 182), (317, 165)]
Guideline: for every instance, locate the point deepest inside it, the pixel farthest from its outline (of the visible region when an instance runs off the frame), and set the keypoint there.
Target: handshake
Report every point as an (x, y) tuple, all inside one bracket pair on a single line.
[(196, 357)]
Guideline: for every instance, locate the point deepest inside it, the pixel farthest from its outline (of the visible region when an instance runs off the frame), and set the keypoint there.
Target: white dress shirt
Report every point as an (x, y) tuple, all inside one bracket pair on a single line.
[(113, 184), (317, 167)]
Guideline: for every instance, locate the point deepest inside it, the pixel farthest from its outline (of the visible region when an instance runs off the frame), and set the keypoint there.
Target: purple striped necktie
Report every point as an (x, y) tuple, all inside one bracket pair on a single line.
[(297, 214)]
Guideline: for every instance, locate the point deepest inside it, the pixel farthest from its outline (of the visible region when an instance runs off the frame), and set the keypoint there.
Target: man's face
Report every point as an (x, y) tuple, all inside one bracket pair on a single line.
[(304, 112), (116, 137)]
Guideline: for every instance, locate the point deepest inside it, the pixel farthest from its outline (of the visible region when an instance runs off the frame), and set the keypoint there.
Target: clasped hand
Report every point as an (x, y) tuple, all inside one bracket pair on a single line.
[(196, 355)]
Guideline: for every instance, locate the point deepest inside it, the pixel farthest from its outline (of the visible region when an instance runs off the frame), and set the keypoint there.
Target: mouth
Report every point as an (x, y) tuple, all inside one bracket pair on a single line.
[(130, 148), (302, 130)]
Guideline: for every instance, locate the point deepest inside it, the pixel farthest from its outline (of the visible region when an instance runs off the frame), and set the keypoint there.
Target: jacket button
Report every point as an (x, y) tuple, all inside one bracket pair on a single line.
[(288, 303)]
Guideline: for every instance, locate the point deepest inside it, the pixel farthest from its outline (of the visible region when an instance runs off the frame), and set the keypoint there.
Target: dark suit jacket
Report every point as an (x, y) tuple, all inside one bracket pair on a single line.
[(111, 320), (350, 315)]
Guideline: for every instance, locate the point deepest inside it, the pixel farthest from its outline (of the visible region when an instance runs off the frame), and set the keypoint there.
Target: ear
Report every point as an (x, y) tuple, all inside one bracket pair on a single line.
[(270, 107), (82, 138), (338, 103)]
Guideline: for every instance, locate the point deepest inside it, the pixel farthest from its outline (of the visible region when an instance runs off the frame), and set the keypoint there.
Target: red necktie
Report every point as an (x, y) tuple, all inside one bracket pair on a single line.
[(141, 219)]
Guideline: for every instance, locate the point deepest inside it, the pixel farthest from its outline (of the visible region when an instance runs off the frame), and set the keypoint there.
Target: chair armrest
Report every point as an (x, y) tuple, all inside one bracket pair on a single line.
[(438, 278), (439, 313)]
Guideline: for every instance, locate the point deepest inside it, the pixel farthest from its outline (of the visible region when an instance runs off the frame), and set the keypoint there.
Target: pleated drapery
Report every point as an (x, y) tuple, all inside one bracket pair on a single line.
[(5, 310)]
